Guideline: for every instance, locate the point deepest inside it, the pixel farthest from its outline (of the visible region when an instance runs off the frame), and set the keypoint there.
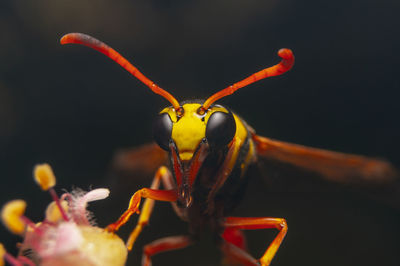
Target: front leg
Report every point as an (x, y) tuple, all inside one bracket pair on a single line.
[(254, 223), (150, 194)]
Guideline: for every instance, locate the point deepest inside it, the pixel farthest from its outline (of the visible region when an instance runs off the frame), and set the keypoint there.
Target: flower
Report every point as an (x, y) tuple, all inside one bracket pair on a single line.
[(67, 235)]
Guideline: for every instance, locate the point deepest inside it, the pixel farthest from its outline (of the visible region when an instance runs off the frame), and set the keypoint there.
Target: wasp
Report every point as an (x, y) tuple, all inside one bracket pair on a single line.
[(210, 150)]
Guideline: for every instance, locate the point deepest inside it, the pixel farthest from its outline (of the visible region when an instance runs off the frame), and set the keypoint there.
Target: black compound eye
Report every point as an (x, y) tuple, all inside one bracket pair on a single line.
[(162, 130), (221, 129)]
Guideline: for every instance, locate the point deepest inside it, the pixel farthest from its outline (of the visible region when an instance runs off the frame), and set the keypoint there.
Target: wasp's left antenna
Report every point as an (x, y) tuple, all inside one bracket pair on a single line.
[(80, 38), (276, 70)]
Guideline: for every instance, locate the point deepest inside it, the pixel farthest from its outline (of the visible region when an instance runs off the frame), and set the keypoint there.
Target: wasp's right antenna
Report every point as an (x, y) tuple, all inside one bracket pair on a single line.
[(80, 38)]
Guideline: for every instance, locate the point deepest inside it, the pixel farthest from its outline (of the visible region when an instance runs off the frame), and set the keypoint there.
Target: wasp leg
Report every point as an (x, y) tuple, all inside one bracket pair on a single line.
[(150, 194), (254, 223), (162, 245), (165, 176)]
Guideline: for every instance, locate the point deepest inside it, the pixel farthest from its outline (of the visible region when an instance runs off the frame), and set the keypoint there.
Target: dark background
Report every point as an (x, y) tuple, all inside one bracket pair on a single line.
[(73, 108)]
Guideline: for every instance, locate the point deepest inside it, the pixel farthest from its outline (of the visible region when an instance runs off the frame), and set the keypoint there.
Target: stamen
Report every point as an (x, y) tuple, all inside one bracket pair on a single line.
[(31, 226), (276, 70), (25, 261), (66, 196), (44, 176), (4, 256), (57, 201), (12, 260), (80, 38), (2, 253), (12, 216), (46, 179), (53, 214)]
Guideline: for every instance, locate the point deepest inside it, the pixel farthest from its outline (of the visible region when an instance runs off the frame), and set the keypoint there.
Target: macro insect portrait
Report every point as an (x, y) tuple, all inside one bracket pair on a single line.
[(209, 151), (254, 132)]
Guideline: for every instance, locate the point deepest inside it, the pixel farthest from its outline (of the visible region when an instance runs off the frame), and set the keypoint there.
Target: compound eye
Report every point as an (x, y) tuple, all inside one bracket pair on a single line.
[(162, 130), (220, 129)]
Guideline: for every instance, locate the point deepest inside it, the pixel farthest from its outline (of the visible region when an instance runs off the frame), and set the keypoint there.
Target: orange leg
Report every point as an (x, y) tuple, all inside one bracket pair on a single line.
[(254, 223), (151, 194), (162, 245)]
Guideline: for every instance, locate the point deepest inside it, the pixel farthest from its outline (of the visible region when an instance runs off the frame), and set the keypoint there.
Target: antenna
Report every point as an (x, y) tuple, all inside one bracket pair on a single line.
[(83, 39), (276, 70)]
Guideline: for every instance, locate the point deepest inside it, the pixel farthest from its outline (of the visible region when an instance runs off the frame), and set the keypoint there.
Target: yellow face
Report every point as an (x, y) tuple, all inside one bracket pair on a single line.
[(190, 128), (192, 135)]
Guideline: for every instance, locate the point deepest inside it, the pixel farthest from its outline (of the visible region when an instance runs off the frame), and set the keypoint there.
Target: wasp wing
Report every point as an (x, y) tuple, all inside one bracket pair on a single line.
[(142, 161), (283, 163), (333, 166)]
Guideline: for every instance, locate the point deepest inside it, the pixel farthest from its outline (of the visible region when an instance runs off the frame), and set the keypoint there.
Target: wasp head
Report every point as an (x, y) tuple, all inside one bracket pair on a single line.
[(189, 136)]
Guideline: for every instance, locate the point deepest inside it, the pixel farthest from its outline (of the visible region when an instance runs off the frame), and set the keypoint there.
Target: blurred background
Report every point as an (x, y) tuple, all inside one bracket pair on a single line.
[(74, 108)]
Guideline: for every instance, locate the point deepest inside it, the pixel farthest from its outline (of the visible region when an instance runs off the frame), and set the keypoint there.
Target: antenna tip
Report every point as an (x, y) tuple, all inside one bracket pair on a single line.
[(74, 37), (64, 39), (285, 53)]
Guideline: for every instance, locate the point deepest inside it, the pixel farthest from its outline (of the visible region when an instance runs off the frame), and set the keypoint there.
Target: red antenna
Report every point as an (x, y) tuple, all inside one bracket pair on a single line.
[(80, 38), (276, 70)]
